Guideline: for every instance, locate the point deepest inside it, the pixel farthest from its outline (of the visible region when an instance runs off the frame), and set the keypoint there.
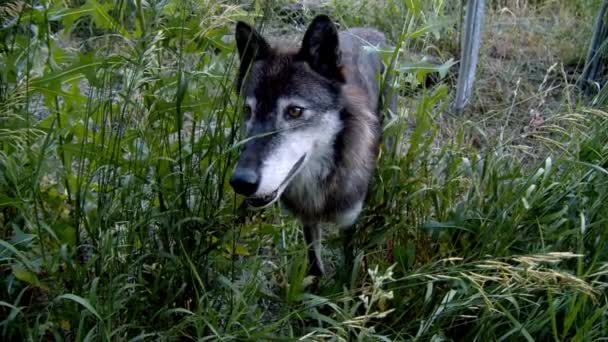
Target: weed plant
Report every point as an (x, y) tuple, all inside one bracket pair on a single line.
[(119, 128)]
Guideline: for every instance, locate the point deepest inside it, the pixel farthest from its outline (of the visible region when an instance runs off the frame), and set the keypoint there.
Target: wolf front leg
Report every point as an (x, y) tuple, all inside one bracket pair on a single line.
[(348, 244), (312, 234), (347, 222)]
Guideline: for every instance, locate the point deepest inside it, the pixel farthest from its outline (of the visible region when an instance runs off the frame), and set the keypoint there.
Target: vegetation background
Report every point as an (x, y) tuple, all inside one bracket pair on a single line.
[(119, 127)]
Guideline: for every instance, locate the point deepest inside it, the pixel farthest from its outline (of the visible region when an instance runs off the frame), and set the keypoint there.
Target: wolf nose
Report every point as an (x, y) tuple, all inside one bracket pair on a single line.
[(244, 181)]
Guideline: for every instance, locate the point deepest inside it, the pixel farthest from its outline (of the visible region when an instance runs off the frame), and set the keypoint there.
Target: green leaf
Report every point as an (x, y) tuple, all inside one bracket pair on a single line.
[(27, 277), (86, 66), (414, 6), (14, 310), (85, 303), (180, 311), (6, 201), (426, 67), (66, 233), (405, 254), (24, 260), (181, 89), (238, 249), (102, 19)]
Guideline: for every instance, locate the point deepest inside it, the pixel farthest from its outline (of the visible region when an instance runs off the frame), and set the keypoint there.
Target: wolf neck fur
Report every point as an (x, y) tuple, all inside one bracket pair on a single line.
[(344, 167)]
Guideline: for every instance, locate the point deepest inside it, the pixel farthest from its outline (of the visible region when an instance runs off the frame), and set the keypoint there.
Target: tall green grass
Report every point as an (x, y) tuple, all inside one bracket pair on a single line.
[(119, 128)]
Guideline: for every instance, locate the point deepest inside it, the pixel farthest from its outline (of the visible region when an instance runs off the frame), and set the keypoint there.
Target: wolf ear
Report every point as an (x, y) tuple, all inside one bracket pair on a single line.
[(320, 47), (251, 46)]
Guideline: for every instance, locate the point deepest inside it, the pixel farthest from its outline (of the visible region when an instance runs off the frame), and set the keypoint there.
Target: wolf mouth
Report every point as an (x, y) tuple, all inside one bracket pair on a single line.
[(265, 200)]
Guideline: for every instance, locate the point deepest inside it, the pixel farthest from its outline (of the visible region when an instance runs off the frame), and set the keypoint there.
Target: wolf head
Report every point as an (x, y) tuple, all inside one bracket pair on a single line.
[(291, 110)]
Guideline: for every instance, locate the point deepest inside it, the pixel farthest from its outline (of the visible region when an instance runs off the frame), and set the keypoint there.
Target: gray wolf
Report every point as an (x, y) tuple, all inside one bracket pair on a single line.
[(312, 126)]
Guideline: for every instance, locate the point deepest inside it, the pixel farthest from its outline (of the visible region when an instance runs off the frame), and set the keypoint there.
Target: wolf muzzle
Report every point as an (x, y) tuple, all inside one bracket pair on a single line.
[(245, 180)]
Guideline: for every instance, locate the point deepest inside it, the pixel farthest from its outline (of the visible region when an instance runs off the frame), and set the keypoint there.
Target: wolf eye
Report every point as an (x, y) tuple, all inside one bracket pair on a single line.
[(247, 110), (294, 111)]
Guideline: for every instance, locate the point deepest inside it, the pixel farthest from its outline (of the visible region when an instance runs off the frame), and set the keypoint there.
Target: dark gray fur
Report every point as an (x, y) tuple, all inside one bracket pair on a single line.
[(341, 77)]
